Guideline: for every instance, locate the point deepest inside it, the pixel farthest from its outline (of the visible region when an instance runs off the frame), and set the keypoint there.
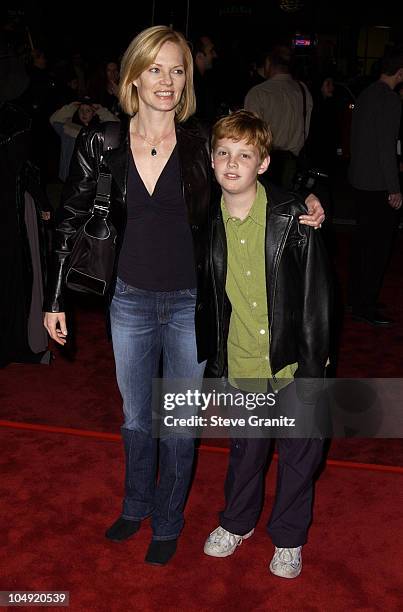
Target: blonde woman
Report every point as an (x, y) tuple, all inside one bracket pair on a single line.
[(161, 194)]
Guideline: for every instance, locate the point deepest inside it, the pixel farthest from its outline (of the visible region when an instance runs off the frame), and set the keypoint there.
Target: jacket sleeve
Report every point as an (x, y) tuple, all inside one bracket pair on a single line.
[(64, 114), (316, 306), (387, 129), (105, 115), (77, 199)]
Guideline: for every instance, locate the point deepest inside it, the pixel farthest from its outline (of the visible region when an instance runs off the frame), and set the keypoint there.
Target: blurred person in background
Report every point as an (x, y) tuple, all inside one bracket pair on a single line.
[(280, 102), (374, 174), (68, 122), (321, 146), (204, 55), (24, 208), (40, 100), (103, 85)]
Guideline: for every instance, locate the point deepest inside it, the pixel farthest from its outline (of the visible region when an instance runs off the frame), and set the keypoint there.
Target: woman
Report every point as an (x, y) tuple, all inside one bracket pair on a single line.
[(68, 122), (160, 198)]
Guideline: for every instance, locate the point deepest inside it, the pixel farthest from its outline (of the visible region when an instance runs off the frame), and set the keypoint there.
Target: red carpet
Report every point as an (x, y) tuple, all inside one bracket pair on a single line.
[(60, 492)]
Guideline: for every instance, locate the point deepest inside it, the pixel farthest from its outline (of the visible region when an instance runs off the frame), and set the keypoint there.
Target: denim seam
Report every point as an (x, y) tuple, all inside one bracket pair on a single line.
[(176, 478), (136, 518), (129, 458)]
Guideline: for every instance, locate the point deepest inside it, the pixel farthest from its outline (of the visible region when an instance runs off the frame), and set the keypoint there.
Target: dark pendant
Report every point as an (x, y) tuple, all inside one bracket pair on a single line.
[(153, 152)]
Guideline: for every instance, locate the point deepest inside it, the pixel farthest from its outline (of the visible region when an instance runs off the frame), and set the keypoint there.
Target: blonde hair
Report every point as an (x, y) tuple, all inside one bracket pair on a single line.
[(244, 125), (140, 54)]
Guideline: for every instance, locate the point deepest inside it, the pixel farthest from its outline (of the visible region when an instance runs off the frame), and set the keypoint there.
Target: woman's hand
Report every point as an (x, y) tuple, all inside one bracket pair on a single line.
[(55, 324), (316, 214)]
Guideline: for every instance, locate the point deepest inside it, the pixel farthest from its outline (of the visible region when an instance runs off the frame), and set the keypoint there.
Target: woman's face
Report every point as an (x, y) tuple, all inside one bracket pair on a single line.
[(86, 113), (160, 86)]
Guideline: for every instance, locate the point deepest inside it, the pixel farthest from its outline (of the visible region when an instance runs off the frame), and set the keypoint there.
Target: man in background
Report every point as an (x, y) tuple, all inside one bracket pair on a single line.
[(280, 102), (204, 54), (374, 174)]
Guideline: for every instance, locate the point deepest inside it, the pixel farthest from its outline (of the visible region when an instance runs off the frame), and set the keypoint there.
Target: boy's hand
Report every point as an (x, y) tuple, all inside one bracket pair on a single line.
[(316, 214)]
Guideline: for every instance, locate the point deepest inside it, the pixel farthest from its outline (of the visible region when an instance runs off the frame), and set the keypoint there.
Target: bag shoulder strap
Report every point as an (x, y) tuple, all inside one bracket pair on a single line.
[(104, 184), (112, 135)]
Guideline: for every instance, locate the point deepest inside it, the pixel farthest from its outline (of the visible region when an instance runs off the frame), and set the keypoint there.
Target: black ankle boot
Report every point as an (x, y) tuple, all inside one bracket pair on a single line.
[(160, 551), (122, 529)]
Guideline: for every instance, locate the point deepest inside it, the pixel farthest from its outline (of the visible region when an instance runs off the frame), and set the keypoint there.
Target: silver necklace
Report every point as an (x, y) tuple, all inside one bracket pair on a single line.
[(153, 145)]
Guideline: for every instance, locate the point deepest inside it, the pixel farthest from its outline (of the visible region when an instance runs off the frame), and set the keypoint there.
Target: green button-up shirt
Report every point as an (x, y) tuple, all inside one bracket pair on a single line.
[(248, 337)]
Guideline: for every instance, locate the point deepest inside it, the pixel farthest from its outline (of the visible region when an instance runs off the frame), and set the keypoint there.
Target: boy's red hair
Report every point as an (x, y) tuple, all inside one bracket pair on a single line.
[(244, 125)]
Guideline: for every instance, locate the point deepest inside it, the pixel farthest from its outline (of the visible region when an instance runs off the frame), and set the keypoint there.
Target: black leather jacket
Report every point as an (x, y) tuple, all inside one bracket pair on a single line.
[(298, 292), (80, 188)]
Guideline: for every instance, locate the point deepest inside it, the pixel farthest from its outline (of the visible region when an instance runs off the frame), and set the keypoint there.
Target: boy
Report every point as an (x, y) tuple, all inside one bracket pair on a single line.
[(269, 300)]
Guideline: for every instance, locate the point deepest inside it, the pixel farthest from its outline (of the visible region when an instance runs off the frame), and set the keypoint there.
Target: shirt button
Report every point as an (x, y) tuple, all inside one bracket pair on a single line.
[(248, 273), (266, 357), (262, 331), (254, 304), (242, 241)]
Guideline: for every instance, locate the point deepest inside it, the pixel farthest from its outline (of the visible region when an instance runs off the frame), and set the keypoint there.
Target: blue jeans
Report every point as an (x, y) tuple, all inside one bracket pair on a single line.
[(144, 325)]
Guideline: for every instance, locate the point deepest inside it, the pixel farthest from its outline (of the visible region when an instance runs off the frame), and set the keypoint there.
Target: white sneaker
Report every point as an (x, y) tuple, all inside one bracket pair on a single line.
[(287, 562), (222, 543)]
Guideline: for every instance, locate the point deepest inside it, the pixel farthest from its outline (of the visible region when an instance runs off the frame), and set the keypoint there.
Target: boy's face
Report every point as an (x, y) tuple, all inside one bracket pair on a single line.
[(236, 165)]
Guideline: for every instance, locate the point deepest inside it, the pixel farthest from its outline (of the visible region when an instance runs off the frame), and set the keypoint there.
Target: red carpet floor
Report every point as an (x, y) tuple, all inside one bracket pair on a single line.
[(60, 492)]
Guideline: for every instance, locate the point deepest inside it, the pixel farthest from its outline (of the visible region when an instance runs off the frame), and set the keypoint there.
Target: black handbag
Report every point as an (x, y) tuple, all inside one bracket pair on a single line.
[(92, 259)]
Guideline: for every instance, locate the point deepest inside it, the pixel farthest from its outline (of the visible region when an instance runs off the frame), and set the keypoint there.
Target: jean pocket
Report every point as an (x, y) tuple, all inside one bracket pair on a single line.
[(121, 287), (192, 293)]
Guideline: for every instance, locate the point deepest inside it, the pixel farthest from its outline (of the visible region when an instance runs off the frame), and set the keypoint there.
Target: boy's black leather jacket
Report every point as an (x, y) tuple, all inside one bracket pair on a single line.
[(298, 292)]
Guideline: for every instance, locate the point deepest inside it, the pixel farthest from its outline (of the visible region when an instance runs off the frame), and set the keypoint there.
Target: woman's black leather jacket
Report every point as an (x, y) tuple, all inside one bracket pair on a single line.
[(80, 188)]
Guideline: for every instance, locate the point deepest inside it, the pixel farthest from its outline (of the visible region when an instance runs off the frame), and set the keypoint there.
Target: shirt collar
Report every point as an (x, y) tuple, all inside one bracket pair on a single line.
[(282, 76), (258, 211)]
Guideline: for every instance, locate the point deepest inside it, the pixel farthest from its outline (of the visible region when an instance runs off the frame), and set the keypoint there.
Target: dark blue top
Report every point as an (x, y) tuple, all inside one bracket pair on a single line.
[(374, 133), (157, 251)]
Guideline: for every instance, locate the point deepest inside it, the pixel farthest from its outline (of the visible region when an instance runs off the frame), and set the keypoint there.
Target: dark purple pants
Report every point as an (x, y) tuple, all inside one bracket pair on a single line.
[(374, 236), (291, 514)]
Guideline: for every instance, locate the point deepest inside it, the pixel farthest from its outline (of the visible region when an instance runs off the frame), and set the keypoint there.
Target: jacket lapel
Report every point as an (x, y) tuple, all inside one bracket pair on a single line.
[(277, 227)]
